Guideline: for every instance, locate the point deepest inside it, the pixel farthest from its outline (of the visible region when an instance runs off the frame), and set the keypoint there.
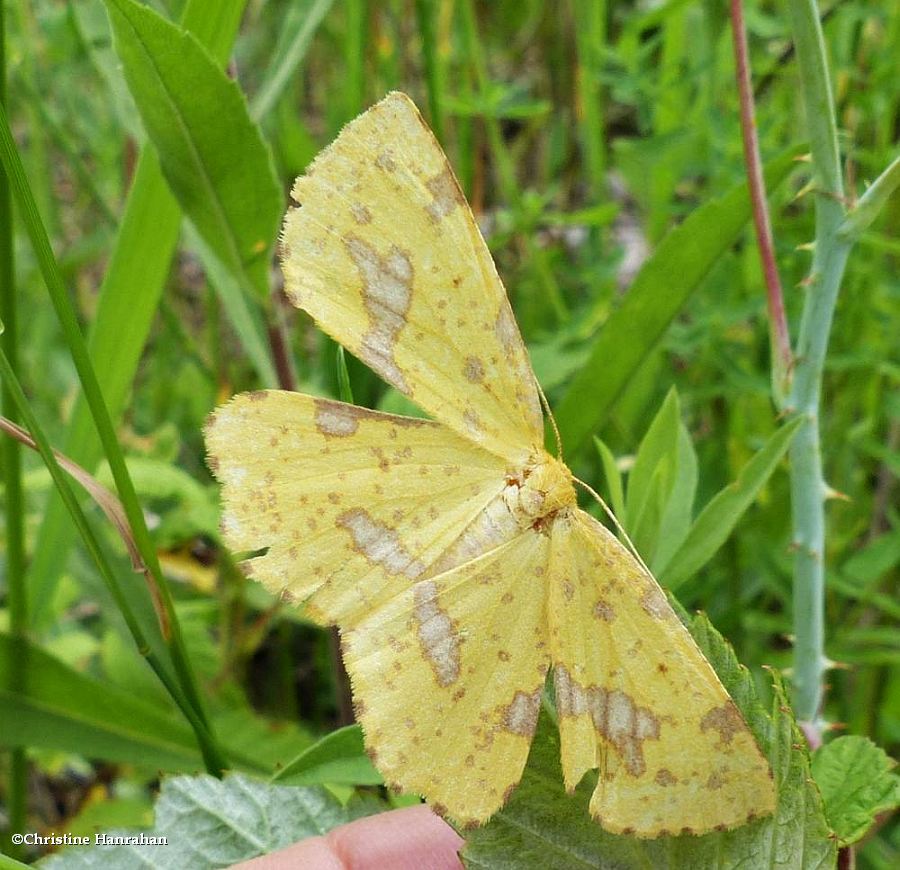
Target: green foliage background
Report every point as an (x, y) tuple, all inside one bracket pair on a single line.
[(583, 134)]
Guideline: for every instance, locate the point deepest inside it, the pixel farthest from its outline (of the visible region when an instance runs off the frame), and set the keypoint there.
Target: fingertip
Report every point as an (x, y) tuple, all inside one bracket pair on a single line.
[(413, 838)]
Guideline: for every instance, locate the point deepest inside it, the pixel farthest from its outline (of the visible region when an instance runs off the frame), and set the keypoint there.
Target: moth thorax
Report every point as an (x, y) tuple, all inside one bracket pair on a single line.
[(539, 491)]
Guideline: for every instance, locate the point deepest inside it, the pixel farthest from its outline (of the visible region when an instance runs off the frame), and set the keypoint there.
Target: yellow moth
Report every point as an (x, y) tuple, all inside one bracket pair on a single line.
[(452, 554)]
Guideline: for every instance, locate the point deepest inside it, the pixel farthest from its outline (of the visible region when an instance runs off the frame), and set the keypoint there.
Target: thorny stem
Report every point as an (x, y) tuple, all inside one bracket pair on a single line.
[(808, 490), (778, 329)]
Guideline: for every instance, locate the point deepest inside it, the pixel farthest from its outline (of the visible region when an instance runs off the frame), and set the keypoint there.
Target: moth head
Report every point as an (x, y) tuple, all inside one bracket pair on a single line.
[(542, 489)]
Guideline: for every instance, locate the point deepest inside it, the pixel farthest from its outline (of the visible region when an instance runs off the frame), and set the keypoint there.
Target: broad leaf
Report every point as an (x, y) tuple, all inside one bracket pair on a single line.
[(543, 827), (654, 461), (338, 758), (46, 703), (212, 154), (613, 478), (675, 521), (717, 520), (857, 782), (679, 264), (216, 823)]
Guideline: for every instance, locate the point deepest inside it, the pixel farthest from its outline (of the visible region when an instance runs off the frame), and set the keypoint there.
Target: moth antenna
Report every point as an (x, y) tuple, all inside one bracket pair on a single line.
[(546, 404), (616, 523)]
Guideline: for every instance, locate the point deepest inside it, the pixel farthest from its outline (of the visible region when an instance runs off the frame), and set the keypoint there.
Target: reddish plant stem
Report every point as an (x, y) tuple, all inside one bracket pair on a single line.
[(281, 353), (781, 342)]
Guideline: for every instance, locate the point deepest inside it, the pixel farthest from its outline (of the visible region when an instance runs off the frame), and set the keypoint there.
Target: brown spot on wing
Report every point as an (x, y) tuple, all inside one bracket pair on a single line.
[(473, 424), (473, 370), (614, 714), (387, 291), (521, 715), (445, 193), (665, 777), (379, 543), (437, 634), (725, 719), (604, 611), (335, 419), (715, 781), (654, 603), (385, 161), (360, 213), (505, 328)]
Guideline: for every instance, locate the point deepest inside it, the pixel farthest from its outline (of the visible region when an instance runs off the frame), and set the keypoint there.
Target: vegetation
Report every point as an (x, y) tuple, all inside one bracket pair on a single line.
[(148, 151)]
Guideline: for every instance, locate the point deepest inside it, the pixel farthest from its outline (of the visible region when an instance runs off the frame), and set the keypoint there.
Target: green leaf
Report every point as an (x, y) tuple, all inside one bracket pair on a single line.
[(664, 284), (216, 823), (542, 826), (47, 703), (716, 521), (212, 154), (875, 560), (613, 478), (338, 758), (675, 521), (251, 736), (657, 447), (857, 782)]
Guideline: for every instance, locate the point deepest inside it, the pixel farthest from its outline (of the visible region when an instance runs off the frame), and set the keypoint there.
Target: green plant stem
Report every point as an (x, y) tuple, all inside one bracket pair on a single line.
[(88, 377), (808, 490), (42, 445), (16, 593)]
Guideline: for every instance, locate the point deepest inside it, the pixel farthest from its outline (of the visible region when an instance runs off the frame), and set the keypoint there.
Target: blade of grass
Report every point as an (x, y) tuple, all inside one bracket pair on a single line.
[(296, 32), (100, 413), (16, 593), (129, 296)]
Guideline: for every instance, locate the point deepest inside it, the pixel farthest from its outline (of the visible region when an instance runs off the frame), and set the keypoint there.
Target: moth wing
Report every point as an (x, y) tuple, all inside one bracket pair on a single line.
[(448, 677), (350, 505), (384, 253), (637, 699)]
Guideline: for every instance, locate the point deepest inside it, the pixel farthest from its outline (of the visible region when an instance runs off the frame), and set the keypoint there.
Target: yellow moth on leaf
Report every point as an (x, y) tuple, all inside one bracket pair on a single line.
[(452, 554)]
